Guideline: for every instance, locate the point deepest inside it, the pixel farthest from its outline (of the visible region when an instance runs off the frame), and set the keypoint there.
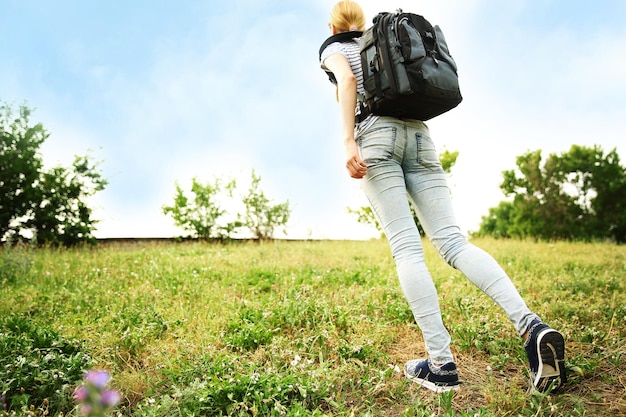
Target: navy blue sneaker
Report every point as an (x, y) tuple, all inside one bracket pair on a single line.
[(436, 378), (545, 349)]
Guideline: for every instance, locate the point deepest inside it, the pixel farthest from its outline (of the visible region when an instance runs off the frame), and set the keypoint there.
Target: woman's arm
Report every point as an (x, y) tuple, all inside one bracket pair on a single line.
[(346, 94)]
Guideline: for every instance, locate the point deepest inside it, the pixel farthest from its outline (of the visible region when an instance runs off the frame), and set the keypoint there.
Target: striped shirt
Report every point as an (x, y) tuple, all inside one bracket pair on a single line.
[(352, 51)]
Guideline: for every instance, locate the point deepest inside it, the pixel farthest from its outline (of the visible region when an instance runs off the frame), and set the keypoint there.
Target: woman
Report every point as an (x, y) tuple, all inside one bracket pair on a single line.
[(396, 159)]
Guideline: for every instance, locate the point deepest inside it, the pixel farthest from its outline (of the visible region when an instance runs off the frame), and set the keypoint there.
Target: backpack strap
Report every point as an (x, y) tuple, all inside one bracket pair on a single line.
[(340, 37)]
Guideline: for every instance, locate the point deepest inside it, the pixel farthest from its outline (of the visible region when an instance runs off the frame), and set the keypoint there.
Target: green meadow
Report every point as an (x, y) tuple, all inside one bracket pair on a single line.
[(298, 328)]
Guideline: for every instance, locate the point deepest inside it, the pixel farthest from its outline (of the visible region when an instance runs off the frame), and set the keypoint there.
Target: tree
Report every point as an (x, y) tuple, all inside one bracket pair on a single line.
[(202, 215), (365, 215), (62, 216), (579, 194), (261, 217), (20, 165), (448, 160), (49, 204)]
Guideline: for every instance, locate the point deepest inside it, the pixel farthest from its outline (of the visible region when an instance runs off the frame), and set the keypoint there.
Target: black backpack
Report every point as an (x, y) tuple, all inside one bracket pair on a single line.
[(408, 71)]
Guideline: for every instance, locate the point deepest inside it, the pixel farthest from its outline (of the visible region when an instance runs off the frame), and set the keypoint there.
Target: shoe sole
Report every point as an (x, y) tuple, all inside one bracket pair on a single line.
[(431, 385), (551, 350)]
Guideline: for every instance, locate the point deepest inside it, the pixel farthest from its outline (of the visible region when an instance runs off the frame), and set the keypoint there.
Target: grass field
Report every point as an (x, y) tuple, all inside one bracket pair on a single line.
[(298, 329)]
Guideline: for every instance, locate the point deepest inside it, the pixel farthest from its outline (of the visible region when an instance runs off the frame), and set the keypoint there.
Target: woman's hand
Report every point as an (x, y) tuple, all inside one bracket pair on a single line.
[(346, 94), (355, 165)]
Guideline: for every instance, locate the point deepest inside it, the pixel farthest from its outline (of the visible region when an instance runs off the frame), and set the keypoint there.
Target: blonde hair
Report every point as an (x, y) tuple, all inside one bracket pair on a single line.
[(347, 15)]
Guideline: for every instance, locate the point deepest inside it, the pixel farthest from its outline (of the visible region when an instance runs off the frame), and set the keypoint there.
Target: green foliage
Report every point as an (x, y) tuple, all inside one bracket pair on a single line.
[(261, 217), (365, 215), (20, 164), (38, 367), (62, 217), (137, 326), (448, 160), (248, 331), (49, 204), (202, 215), (577, 195), (221, 386), (298, 310)]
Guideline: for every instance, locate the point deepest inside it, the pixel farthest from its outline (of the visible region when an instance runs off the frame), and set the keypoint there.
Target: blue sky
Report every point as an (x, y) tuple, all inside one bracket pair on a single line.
[(162, 91)]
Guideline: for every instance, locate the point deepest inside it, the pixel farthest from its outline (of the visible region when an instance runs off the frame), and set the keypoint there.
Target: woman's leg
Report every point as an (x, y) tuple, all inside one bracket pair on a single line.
[(382, 148), (429, 192)]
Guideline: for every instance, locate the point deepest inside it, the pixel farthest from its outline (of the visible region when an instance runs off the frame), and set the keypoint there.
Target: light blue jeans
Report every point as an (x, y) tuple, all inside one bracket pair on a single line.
[(403, 163)]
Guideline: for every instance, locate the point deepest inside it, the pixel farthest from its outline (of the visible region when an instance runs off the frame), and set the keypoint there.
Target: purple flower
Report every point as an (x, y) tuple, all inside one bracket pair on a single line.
[(110, 397), (93, 397), (97, 378), (80, 394)]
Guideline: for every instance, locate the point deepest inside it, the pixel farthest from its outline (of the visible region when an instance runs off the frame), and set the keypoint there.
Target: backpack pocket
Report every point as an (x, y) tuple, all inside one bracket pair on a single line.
[(442, 48), (411, 44)]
